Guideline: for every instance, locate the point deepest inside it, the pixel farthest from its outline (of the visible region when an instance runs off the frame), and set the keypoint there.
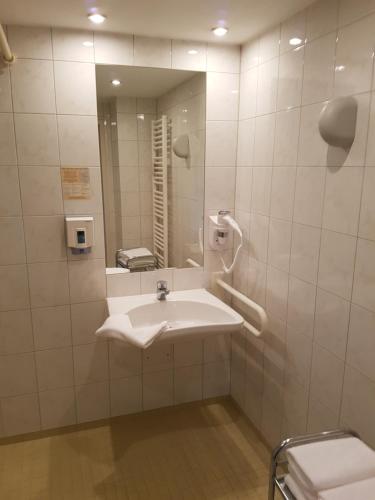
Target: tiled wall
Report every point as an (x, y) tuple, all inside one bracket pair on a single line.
[(185, 106), (133, 180), (309, 216), (52, 371)]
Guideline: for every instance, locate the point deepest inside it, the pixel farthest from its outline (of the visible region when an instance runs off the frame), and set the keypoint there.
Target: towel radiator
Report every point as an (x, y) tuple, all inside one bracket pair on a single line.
[(276, 480), (161, 144)]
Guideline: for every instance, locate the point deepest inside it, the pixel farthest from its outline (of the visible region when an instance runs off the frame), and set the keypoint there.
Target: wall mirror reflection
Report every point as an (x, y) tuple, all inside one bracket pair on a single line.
[(152, 148)]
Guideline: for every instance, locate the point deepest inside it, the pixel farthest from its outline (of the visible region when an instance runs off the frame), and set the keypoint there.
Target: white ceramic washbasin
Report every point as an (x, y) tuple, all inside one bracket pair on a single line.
[(189, 313)]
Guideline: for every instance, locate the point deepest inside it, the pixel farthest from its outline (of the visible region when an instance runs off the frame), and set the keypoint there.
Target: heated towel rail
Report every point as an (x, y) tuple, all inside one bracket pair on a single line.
[(261, 313), (161, 144)]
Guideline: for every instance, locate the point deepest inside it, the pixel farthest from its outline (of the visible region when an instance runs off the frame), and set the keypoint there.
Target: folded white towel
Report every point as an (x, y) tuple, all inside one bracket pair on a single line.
[(298, 492), (329, 464), (361, 490), (118, 327), (301, 481)]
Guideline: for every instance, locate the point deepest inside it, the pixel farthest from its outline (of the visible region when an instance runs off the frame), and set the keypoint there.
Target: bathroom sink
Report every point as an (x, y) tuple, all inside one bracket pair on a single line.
[(190, 314)]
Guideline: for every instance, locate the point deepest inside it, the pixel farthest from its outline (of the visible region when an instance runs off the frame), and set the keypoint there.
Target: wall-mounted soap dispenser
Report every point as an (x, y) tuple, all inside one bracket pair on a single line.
[(79, 234)]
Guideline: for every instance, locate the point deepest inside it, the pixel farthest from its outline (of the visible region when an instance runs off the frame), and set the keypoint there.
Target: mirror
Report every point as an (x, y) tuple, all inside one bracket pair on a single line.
[(152, 147)]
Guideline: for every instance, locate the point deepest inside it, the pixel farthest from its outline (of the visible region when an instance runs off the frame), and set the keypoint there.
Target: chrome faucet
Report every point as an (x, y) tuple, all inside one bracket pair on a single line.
[(162, 290)]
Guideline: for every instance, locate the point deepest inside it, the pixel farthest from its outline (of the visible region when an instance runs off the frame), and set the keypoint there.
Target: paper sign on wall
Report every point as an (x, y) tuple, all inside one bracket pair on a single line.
[(76, 183)]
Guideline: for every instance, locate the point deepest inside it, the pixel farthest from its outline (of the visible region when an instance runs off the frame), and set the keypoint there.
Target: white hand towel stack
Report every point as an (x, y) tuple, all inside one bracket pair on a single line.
[(319, 467), (118, 327)]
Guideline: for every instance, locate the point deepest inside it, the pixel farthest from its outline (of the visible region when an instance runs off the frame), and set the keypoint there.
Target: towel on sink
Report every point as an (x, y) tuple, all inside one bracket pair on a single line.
[(118, 327)]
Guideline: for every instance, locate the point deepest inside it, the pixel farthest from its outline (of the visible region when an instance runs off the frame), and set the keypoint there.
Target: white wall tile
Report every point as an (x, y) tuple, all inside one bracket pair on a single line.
[(364, 276), (245, 145), (219, 187), (14, 292), (86, 319), (17, 375), (157, 357), (152, 52), (126, 396), (69, 45), (331, 322), (111, 48), (216, 348), (279, 242), (52, 327), (243, 188), (90, 363), (12, 241), (358, 405), (125, 360), (293, 27), (216, 379), (336, 263), (269, 44), (187, 384), (248, 93), (277, 293), (367, 217), (87, 280), (10, 199), (286, 137), (187, 279), (361, 345), (92, 402), (21, 414), (16, 332), (221, 142), (57, 408), (48, 284), (319, 69), (41, 190), (249, 54), (309, 195), (351, 11), (282, 192), (312, 150), (78, 137), (7, 140), (157, 389), (355, 54), (259, 230), (36, 139), (30, 42), (222, 96), (33, 86), (342, 199), (188, 55), (290, 79), (188, 353), (45, 238), (321, 18), (6, 105), (301, 306), (260, 199), (75, 95), (320, 417), (305, 252), (54, 368), (267, 87), (223, 58), (264, 140), (119, 285)]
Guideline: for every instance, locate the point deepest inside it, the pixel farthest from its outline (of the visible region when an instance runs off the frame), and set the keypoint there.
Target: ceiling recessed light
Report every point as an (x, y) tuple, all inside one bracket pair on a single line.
[(116, 82), (341, 67), (192, 52), (87, 43), (219, 31), (97, 18), (295, 41)]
